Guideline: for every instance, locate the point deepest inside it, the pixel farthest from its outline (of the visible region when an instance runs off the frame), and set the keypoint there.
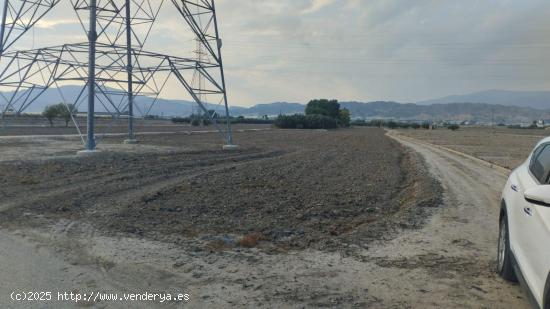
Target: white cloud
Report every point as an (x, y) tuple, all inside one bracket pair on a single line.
[(361, 49), (52, 23), (317, 5)]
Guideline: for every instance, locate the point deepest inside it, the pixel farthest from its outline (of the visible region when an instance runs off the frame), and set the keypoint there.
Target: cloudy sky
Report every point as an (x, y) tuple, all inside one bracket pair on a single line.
[(403, 50)]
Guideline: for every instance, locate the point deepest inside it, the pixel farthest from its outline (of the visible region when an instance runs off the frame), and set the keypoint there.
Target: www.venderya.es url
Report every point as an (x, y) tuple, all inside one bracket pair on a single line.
[(94, 297)]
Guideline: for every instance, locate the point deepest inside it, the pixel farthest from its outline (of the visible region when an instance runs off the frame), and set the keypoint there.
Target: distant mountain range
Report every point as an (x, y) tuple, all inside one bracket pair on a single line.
[(489, 106), (457, 112), (270, 109), (532, 99), (144, 105)]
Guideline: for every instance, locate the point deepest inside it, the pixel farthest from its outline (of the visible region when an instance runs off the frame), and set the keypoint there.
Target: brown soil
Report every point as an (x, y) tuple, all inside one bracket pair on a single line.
[(105, 127), (240, 229), (281, 190)]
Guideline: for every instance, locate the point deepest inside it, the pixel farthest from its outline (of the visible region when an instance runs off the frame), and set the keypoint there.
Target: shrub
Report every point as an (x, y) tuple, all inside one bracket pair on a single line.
[(181, 120), (299, 121), (289, 121), (453, 127), (320, 122), (359, 123), (377, 123), (244, 120), (392, 125), (285, 122), (195, 122), (344, 118)]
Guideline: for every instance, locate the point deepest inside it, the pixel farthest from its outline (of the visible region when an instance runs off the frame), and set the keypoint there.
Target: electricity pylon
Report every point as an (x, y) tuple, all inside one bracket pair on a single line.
[(112, 65)]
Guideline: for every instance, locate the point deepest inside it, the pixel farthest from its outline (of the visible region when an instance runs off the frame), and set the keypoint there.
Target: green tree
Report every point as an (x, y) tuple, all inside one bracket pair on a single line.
[(345, 117), (377, 123), (66, 112), (299, 121), (329, 108), (50, 112), (392, 124)]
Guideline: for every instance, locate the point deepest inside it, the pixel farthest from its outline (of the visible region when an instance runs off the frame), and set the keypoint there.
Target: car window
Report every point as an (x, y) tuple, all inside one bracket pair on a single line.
[(540, 165)]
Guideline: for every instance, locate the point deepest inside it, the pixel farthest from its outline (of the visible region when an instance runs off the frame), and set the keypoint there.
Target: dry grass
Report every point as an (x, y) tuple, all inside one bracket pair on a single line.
[(500, 145)]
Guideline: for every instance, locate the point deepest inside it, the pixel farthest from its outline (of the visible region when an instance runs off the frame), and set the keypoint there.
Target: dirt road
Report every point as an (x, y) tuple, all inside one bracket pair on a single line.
[(452, 257), (499, 145), (446, 263)]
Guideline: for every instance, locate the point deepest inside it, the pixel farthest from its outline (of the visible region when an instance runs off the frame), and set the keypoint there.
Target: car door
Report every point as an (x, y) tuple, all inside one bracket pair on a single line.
[(534, 223)]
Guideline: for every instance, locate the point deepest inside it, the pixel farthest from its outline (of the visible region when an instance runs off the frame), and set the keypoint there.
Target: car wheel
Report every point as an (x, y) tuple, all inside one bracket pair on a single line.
[(504, 255)]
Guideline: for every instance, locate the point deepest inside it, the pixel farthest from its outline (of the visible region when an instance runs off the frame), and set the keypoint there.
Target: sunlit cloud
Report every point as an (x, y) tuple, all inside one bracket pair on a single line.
[(317, 5), (50, 23)]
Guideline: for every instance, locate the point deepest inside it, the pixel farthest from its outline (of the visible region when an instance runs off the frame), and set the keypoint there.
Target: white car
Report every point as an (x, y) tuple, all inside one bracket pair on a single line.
[(524, 238)]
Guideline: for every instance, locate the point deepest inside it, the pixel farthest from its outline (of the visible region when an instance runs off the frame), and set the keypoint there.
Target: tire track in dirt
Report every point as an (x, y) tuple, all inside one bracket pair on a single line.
[(115, 184)]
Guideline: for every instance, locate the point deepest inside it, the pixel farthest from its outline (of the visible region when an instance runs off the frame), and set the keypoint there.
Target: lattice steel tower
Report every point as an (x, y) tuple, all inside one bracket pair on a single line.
[(112, 65)]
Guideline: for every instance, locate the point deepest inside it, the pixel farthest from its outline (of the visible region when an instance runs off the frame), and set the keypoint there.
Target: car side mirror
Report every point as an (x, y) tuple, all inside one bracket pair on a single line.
[(539, 195)]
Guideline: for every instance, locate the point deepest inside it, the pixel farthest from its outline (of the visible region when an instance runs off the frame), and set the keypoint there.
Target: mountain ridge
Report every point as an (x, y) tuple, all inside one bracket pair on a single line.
[(532, 99), (454, 111)]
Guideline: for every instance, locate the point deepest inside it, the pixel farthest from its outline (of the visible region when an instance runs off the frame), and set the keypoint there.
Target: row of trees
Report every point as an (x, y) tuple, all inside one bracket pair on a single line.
[(62, 111), (390, 124), (197, 121), (300, 121), (319, 114)]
